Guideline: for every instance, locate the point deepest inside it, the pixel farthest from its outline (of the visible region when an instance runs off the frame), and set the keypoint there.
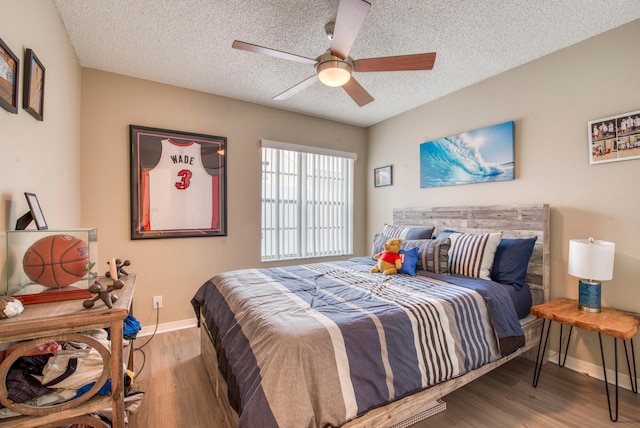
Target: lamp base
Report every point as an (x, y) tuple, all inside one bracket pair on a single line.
[(589, 296)]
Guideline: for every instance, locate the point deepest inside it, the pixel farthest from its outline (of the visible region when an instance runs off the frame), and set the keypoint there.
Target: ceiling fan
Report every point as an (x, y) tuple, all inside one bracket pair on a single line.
[(335, 66)]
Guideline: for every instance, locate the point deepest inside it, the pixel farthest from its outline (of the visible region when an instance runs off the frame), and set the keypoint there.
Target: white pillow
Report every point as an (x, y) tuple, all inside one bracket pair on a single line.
[(472, 255)]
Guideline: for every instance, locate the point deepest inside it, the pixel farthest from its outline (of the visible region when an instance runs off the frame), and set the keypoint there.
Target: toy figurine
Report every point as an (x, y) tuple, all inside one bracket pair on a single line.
[(389, 260), (119, 268), (103, 293), (115, 271)]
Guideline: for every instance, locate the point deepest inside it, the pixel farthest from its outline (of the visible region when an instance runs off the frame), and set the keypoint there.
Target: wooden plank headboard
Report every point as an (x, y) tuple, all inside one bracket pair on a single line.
[(515, 221)]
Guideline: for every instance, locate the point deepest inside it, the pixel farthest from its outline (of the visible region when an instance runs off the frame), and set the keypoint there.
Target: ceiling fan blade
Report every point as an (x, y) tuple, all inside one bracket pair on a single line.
[(296, 88), (357, 92), (423, 61), (350, 17), (244, 46)]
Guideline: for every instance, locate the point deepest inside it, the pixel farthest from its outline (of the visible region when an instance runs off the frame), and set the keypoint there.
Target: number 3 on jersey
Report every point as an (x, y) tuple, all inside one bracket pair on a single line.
[(185, 179)]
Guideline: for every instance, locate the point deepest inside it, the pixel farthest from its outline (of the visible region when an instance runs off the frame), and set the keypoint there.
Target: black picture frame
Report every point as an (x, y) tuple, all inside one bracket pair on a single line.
[(383, 176), (34, 214), (9, 78), (177, 190), (33, 94)]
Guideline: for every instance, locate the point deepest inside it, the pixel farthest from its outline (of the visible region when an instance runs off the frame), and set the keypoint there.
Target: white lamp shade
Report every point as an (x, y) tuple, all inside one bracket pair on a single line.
[(591, 259)]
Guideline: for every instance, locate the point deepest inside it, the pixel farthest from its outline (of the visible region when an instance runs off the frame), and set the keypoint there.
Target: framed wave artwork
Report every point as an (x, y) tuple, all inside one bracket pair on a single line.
[(479, 156)]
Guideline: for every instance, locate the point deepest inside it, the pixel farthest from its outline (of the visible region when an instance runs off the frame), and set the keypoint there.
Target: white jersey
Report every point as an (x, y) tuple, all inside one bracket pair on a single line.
[(180, 189)]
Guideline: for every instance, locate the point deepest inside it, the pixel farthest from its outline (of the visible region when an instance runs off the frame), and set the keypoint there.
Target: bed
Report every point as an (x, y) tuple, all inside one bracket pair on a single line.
[(331, 344)]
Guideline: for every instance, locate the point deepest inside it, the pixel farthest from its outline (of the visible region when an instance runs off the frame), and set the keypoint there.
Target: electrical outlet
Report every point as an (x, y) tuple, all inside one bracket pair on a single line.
[(157, 302)]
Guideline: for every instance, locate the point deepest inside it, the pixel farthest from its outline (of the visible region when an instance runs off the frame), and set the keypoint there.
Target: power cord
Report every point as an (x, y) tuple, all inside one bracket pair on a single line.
[(139, 348)]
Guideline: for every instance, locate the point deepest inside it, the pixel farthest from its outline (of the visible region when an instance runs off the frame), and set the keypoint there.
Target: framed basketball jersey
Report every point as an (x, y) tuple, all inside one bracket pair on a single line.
[(178, 184)]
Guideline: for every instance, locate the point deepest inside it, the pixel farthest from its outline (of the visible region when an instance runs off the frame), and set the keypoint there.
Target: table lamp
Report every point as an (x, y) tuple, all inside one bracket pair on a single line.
[(592, 262)]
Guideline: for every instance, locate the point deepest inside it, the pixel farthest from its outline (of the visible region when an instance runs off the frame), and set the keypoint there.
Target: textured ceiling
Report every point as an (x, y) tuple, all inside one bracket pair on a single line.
[(187, 43)]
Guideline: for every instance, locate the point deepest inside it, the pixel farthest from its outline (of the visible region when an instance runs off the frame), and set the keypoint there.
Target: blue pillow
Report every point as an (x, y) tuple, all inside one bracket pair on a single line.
[(511, 261), (445, 234), (409, 261)]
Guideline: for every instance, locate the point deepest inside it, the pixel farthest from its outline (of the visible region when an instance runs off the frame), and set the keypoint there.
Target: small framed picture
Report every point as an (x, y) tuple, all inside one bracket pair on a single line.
[(383, 176), (36, 211), (33, 96), (614, 138), (9, 65), (34, 214)]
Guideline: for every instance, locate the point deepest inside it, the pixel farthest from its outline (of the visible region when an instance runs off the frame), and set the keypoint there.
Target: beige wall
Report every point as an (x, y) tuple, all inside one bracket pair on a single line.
[(41, 157), (551, 100), (175, 268), (77, 161)]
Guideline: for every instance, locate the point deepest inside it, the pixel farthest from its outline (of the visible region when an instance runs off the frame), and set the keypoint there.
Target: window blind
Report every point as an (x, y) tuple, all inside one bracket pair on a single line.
[(307, 208)]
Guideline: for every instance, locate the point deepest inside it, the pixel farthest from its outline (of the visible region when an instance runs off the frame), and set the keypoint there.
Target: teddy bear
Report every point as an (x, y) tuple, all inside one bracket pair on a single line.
[(390, 260)]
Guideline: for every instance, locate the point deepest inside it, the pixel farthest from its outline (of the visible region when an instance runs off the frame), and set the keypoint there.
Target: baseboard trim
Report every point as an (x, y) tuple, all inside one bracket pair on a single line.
[(168, 326), (595, 370)]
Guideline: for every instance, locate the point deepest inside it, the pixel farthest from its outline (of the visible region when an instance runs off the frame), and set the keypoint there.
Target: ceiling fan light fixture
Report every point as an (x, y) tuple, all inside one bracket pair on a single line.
[(333, 71), (333, 76)]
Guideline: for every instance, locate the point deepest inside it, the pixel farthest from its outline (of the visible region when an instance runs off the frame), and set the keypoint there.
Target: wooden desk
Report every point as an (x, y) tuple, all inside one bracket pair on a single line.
[(47, 322), (611, 322)]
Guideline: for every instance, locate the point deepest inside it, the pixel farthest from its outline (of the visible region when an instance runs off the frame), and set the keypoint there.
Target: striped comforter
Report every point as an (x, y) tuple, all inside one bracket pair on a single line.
[(319, 344)]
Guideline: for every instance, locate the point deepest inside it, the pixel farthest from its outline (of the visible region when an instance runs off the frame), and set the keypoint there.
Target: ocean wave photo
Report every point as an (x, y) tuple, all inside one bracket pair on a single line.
[(479, 156)]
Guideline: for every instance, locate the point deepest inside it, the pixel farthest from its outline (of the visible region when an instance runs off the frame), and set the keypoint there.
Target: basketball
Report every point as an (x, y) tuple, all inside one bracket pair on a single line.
[(56, 260)]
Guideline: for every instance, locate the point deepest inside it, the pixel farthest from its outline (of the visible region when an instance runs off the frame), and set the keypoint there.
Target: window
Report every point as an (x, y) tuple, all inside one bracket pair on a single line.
[(307, 202)]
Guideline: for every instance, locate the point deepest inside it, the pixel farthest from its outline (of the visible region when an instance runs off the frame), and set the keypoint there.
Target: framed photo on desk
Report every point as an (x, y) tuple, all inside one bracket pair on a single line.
[(34, 214)]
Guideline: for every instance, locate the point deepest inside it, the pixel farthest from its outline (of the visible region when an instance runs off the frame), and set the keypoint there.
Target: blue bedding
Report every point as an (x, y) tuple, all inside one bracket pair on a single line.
[(503, 312), (499, 300), (317, 345)]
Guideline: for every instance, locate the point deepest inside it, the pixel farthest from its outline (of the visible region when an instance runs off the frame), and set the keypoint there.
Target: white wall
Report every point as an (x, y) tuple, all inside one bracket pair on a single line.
[(77, 161), (551, 100), (41, 157)]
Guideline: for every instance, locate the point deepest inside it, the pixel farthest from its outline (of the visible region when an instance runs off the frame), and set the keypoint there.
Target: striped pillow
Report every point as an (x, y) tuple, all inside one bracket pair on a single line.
[(403, 232), (433, 254), (378, 244), (472, 255)]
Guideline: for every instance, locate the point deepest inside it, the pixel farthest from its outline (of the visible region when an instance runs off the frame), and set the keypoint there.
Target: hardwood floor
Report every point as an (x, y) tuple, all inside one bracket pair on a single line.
[(178, 394), (506, 398), (177, 390)]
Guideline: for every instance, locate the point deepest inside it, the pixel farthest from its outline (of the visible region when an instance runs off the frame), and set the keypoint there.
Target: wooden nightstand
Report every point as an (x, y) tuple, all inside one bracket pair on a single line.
[(48, 322), (611, 322)]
